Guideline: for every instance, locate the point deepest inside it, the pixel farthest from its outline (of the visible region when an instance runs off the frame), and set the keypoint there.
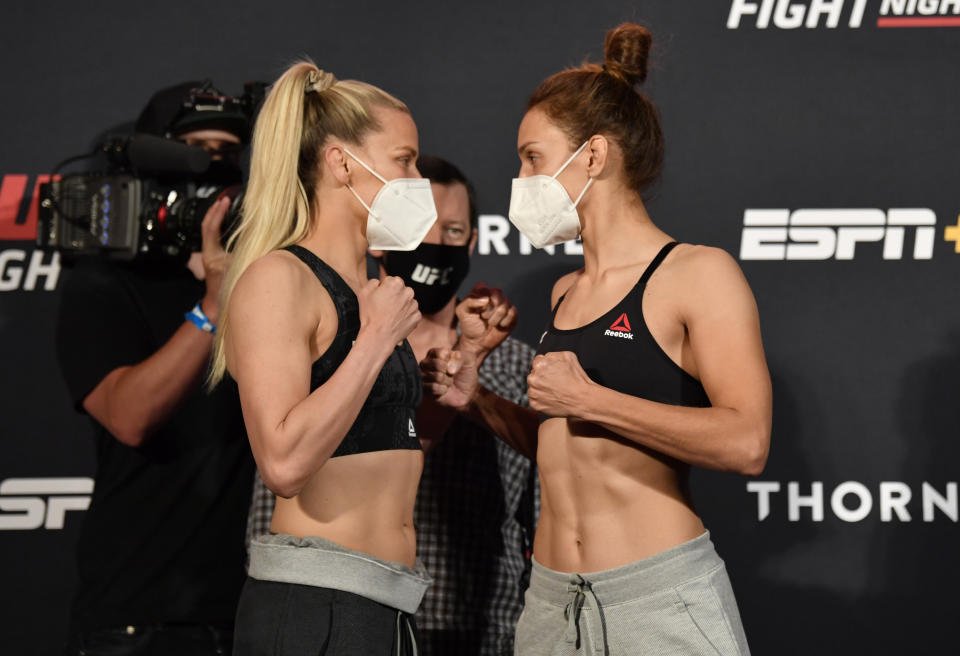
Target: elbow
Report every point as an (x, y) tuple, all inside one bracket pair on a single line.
[(281, 479), (130, 433), (754, 452)]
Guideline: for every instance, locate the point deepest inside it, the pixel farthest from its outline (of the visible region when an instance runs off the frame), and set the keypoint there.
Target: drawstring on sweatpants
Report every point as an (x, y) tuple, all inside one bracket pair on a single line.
[(571, 613), (406, 642)]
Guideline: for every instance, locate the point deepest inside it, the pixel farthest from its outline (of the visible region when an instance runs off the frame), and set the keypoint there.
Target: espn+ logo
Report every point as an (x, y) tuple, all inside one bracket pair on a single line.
[(823, 234), (31, 503)]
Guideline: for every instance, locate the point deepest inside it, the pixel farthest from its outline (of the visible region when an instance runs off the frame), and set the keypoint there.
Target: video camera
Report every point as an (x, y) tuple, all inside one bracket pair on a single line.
[(153, 195)]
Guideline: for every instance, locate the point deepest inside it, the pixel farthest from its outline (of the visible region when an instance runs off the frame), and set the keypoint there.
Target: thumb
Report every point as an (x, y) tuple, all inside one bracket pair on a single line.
[(454, 362)]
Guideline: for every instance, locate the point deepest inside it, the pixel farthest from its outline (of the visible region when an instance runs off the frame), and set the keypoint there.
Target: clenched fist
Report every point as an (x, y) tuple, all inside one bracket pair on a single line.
[(486, 319), (557, 385), (388, 311), (450, 377)]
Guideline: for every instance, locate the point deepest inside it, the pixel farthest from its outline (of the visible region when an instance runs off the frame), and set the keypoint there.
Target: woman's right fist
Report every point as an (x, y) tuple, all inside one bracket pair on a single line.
[(388, 310)]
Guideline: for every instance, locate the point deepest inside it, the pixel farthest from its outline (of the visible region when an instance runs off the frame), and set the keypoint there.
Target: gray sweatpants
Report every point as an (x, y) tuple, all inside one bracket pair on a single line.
[(677, 602)]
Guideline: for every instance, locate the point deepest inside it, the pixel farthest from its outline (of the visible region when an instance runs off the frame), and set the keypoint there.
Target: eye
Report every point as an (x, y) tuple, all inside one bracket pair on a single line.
[(405, 161)]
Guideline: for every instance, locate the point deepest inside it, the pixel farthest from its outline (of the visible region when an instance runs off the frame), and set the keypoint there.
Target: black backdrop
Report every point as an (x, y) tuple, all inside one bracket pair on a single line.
[(759, 114)]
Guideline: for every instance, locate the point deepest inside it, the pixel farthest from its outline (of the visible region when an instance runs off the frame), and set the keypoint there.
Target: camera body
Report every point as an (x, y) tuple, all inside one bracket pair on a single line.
[(125, 216), (152, 195)]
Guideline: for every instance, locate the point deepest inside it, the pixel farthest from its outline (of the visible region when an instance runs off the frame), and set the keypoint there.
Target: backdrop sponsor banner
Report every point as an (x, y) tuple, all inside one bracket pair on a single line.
[(810, 139)]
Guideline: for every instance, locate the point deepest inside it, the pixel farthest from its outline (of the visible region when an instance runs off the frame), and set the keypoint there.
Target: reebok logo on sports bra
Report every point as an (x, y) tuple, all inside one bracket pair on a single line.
[(620, 328)]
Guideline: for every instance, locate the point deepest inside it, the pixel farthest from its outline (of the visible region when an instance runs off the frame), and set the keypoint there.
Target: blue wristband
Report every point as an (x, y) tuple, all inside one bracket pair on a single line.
[(200, 320)]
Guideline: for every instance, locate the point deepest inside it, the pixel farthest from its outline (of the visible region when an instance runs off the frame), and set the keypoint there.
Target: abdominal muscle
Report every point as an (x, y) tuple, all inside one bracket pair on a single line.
[(607, 502), (362, 502)]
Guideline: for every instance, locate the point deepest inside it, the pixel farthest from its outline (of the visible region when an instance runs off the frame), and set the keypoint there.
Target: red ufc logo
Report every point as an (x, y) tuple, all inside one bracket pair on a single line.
[(18, 209)]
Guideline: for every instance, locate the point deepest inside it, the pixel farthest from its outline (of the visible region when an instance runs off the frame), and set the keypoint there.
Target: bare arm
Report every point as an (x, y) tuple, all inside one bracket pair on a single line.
[(450, 376), (292, 430), (517, 426), (724, 330), (132, 402)]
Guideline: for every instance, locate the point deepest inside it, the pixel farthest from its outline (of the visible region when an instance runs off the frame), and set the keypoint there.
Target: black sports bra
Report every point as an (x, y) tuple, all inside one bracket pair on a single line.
[(618, 351), (386, 420)]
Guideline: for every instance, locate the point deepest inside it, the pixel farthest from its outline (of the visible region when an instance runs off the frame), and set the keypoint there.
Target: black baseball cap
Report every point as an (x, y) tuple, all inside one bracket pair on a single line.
[(194, 105)]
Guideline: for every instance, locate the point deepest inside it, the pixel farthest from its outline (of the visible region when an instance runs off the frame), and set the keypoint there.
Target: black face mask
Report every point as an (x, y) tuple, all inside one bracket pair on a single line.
[(433, 271), (222, 173)]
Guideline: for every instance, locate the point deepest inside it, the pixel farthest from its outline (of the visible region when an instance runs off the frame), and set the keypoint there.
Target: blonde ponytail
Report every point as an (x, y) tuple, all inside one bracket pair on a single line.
[(304, 108)]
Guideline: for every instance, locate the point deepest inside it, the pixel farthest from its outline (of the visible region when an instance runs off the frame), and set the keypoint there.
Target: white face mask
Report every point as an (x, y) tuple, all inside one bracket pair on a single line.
[(541, 208), (401, 214)]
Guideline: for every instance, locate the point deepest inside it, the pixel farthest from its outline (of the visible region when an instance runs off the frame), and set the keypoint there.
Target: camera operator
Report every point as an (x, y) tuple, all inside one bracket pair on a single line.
[(160, 555)]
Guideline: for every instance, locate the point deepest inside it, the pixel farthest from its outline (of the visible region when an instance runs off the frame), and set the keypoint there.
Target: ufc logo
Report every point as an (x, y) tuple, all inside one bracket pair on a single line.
[(18, 207), (29, 503), (429, 275), (822, 234)]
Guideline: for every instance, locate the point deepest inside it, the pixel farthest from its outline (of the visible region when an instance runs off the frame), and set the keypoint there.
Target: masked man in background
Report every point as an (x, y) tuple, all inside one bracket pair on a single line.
[(478, 499), (160, 554)]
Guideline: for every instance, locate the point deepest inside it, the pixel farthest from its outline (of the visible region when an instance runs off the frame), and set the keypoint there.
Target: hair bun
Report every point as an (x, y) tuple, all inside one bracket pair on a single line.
[(626, 49), (318, 80)]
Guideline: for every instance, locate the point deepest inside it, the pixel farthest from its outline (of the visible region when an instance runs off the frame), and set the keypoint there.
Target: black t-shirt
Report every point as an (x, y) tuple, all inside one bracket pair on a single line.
[(162, 540)]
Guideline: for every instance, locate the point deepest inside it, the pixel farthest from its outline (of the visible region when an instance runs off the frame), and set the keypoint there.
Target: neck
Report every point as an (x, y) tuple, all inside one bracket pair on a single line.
[(616, 227), (338, 234)]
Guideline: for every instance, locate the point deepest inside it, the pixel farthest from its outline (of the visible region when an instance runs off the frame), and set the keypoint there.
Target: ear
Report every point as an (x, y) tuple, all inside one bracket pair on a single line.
[(599, 149), (473, 242), (338, 164)]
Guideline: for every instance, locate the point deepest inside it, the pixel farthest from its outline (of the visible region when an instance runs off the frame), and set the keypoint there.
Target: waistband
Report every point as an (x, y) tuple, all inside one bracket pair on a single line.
[(322, 563), (642, 578)]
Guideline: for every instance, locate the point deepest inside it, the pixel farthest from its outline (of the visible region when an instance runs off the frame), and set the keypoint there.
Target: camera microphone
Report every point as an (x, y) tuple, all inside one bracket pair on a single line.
[(160, 156)]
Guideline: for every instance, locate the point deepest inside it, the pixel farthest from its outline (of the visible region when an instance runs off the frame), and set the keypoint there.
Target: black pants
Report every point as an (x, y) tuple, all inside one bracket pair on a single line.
[(286, 619), (160, 640)]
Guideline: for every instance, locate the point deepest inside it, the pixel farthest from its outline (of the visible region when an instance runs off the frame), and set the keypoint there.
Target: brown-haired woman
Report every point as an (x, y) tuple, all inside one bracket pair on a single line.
[(652, 362), (328, 383)]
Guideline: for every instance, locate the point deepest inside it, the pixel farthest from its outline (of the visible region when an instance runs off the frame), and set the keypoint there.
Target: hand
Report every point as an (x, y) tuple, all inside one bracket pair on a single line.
[(388, 311), (557, 384), (215, 259), (486, 319), (450, 377)]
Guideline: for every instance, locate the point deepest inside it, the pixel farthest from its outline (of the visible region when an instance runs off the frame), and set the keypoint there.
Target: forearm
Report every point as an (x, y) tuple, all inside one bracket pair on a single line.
[(714, 438), (433, 420), (516, 425), (134, 401), (302, 442)]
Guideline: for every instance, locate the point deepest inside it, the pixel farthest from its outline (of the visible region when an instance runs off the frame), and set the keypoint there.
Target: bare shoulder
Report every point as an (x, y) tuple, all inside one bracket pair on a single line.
[(704, 265), (707, 277), (276, 280), (563, 285)]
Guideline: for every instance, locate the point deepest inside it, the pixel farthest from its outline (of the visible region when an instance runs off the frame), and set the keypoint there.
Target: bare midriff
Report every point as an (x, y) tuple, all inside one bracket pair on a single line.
[(607, 502), (362, 501)]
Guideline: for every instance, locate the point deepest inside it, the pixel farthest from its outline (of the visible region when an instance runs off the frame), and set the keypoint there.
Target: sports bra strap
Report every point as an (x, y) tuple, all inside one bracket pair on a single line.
[(321, 269), (344, 298), (657, 261), (553, 312)]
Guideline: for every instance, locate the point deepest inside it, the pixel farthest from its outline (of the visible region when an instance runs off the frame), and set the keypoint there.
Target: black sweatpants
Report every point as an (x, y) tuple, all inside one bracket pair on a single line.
[(288, 619)]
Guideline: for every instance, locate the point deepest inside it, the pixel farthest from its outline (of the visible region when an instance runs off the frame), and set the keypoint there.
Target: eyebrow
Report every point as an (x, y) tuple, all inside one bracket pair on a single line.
[(406, 149), (525, 146)]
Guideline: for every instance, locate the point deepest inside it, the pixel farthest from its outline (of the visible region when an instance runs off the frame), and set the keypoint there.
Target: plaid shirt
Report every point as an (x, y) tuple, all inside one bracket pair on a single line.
[(475, 515)]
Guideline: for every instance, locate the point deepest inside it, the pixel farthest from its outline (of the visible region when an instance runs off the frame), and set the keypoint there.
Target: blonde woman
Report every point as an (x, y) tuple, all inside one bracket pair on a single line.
[(328, 383)]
